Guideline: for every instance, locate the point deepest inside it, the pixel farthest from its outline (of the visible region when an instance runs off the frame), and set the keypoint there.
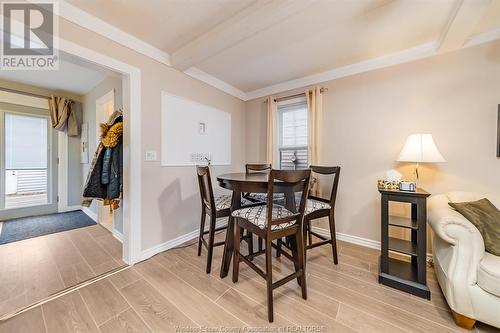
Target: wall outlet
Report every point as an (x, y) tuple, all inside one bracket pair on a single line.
[(200, 157), (151, 156)]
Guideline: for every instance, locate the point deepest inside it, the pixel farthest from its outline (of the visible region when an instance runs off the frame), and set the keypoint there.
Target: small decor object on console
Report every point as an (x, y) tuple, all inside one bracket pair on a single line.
[(391, 181), (407, 186), (388, 185)]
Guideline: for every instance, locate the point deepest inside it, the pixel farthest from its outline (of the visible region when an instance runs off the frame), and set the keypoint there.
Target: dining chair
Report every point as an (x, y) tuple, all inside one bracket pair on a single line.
[(318, 206), (256, 168), (215, 207), (273, 221)]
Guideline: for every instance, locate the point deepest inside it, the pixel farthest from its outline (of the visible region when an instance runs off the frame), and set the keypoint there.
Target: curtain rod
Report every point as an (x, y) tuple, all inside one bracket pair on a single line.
[(23, 93), (322, 90)]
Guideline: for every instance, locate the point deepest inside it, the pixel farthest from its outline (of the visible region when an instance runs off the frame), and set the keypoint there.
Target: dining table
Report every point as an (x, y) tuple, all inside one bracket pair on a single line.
[(242, 182)]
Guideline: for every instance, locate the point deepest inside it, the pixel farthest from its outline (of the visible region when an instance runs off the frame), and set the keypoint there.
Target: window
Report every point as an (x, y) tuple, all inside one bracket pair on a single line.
[(25, 160), (293, 135)]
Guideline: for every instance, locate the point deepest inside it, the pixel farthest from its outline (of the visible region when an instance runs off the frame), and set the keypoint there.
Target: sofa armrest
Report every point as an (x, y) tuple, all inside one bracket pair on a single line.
[(464, 238)]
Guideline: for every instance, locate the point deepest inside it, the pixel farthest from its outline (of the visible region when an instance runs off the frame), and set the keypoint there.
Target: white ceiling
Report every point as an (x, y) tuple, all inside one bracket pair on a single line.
[(78, 79), (247, 47)]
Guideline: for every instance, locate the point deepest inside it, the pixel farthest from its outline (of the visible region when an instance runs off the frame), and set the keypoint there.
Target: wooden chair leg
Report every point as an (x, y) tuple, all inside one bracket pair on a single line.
[(309, 235), (279, 242), (250, 242), (202, 230), (304, 235), (463, 321), (331, 220), (301, 264), (211, 237), (236, 250), (260, 244), (269, 281)]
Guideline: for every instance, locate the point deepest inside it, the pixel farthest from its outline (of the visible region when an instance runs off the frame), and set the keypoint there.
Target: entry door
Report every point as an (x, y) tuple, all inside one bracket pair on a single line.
[(25, 162), (105, 106)]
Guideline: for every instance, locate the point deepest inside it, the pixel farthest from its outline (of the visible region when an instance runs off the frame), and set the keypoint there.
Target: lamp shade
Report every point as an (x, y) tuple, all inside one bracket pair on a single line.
[(420, 148)]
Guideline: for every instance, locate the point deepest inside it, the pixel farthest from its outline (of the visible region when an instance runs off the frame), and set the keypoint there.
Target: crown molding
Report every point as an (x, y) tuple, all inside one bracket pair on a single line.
[(215, 82), (94, 24), (484, 37)]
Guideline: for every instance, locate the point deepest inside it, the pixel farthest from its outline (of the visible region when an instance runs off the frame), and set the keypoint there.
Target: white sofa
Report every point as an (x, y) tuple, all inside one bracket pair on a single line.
[(469, 277)]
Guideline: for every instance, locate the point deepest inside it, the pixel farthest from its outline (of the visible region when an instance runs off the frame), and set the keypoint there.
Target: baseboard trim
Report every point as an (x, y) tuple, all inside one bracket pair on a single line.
[(90, 213), (152, 251), (118, 235), (349, 238), (356, 240)]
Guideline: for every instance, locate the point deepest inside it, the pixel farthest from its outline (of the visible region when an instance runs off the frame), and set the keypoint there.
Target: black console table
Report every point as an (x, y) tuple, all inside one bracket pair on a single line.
[(408, 276)]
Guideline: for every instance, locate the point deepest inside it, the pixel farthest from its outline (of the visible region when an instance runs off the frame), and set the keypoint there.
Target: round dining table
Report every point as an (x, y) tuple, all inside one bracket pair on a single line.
[(239, 183)]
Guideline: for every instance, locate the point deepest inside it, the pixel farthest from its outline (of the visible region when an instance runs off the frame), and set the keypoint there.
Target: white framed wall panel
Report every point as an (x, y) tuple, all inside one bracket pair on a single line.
[(192, 131)]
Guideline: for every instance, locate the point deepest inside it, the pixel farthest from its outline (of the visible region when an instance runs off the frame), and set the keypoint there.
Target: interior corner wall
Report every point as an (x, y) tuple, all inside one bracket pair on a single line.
[(74, 166), (170, 196), (367, 117), (89, 117)]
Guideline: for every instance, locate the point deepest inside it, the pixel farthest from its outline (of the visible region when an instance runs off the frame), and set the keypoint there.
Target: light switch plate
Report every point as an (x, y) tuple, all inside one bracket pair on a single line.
[(151, 156)]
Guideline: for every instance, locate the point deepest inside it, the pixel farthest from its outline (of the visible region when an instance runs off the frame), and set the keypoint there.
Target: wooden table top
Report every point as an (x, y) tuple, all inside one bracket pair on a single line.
[(257, 177)]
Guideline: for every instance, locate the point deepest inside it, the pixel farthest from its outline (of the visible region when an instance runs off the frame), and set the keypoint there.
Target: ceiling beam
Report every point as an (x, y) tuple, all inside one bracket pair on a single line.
[(459, 29), (257, 17)]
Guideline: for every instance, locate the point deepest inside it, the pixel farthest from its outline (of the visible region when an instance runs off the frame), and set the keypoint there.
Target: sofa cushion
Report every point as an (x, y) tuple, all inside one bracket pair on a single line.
[(486, 217), (488, 274)]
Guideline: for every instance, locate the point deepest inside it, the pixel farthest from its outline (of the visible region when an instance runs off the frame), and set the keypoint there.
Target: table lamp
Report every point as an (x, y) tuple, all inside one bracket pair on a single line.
[(420, 148)]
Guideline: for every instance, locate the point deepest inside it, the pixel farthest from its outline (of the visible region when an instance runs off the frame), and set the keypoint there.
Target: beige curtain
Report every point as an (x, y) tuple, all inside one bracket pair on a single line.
[(314, 110), (315, 118), (272, 144), (62, 115)]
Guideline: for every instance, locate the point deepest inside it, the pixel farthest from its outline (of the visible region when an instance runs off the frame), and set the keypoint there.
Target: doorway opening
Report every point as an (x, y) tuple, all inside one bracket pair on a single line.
[(43, 171)]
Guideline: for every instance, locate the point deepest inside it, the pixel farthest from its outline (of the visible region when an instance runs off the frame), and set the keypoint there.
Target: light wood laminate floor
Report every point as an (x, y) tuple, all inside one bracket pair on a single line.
[(35, 268), (171, 293)]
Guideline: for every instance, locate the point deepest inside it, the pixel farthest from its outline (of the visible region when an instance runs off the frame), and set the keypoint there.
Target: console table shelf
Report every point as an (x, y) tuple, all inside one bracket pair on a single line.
[(402, 246), (403, 222), (409, 276)]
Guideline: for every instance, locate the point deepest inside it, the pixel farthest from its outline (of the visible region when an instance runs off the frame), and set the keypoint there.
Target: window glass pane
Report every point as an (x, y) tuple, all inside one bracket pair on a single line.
[(293, 136), (294, 128), (25, 160)]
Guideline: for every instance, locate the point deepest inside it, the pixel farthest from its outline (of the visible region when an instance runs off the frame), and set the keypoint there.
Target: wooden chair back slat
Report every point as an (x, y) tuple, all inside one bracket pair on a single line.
[(250, 167), (333, 172), (294, 182), (206, 190)]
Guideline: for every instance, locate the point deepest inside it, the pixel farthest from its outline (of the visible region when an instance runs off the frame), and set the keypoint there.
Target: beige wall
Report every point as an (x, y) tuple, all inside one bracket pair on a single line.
[(367, 117), (170, 203)]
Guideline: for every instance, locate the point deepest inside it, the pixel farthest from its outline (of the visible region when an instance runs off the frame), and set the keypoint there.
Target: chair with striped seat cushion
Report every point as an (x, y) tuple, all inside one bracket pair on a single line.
[(317, 207), (258, 216), (215, 207), (325, 179), (271, 222)]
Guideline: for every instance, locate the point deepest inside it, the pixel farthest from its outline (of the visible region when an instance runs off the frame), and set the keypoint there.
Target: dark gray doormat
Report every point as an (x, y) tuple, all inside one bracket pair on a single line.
[(29, 227)]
